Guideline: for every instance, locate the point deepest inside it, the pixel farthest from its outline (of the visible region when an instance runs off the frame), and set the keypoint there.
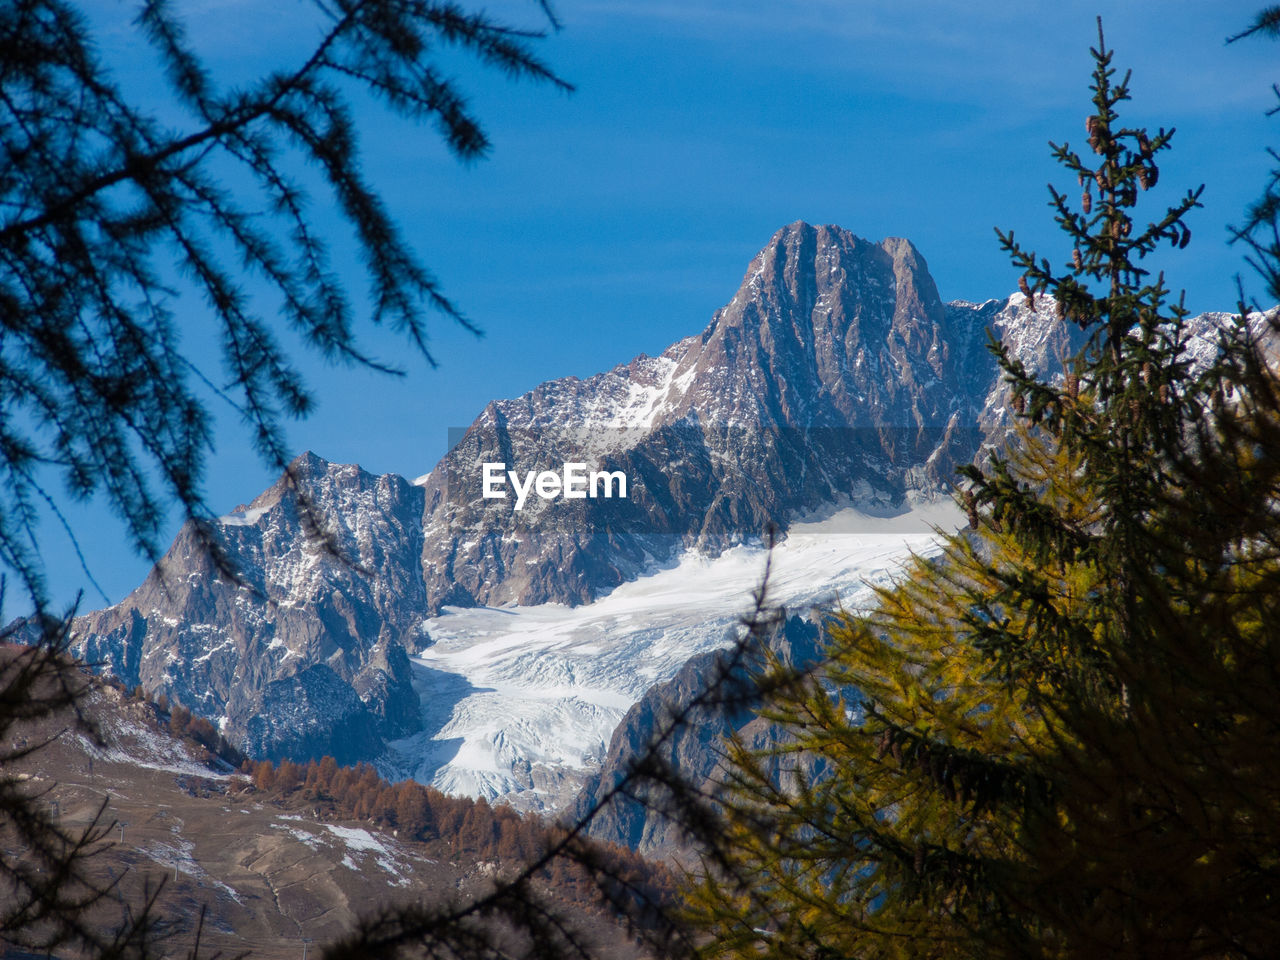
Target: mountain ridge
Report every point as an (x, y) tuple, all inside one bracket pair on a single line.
[(835, 374)]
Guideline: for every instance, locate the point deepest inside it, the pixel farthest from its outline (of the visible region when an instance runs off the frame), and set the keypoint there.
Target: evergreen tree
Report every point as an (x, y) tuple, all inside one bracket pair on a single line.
[(107, 213), (1055, 739)]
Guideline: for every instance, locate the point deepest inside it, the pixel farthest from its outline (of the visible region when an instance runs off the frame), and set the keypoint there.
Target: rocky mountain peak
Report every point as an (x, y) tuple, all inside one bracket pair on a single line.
[(833, 374), (306, 655), (804, 269), (833, 330)]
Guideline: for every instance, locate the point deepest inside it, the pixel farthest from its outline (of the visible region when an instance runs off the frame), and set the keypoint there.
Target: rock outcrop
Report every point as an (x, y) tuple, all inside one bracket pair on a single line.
[(306, 654)]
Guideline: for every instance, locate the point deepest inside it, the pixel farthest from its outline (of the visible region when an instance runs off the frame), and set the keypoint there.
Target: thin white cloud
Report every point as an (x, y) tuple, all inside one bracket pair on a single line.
[(1021, 54)]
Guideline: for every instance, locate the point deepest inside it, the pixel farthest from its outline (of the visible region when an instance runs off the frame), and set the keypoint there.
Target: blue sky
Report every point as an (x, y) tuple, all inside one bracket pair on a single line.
[(614, 220)]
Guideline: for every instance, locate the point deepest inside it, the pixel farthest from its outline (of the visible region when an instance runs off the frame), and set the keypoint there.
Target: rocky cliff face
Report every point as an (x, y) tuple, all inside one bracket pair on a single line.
[(307, 654), (835, 375), (694, 748)]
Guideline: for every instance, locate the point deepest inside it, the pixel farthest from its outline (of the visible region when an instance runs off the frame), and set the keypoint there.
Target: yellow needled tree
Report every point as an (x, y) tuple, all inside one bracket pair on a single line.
[(1058, 738)]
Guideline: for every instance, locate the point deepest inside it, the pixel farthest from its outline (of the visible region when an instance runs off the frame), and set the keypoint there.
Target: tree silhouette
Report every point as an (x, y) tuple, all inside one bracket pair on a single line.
[(51, 898)]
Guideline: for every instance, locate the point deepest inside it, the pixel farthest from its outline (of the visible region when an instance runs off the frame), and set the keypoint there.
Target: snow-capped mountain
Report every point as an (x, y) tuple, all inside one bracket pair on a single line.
[(307, 655), (835, 380), (834, 372)]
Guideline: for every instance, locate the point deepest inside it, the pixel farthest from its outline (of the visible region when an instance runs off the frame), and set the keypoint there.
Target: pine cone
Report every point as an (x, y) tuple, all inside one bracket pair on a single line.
[(1164, 393), (1086, 202), (1076, 259), (1073, 386)]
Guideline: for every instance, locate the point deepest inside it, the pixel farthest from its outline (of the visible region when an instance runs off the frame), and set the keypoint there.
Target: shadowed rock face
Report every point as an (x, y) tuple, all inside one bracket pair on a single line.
[(834, 374)]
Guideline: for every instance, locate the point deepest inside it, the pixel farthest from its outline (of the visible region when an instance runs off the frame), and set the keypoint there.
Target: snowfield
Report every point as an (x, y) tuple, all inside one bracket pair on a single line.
[(519, 703)]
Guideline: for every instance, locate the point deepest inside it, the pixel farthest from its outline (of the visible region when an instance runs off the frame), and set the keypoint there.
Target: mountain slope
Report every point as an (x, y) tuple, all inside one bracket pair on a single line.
[(520, 702), (835, 377), (272, 865)]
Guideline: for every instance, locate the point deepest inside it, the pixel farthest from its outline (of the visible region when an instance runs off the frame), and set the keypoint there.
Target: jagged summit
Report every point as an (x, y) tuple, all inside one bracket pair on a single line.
[(306, 467), (307, 655), (803, 266), (834, 330)]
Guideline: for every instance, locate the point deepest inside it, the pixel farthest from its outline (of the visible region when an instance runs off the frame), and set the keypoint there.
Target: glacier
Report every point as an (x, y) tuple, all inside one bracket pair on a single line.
[(519, 702)]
